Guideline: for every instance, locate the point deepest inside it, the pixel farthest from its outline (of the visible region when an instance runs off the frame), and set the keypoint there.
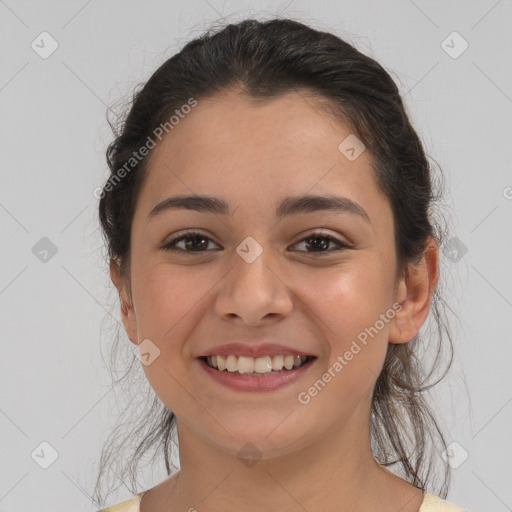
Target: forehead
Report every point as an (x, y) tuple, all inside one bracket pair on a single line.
[(254, 152), (234, 126)]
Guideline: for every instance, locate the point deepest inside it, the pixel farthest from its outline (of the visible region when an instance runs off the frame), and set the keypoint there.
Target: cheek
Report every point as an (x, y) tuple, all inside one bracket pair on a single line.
[(169, 306), (345, 307), (169, 298), (351, 307)]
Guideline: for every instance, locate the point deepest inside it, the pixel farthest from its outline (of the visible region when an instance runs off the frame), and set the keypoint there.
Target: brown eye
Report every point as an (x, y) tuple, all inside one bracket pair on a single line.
[(320, 243), (193, 242)]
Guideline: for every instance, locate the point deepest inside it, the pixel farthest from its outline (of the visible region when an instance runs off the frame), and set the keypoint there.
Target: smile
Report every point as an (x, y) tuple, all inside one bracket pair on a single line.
[(266, 373)]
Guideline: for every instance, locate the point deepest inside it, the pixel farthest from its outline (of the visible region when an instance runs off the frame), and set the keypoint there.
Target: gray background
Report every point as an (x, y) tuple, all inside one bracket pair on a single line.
[(53, 380)]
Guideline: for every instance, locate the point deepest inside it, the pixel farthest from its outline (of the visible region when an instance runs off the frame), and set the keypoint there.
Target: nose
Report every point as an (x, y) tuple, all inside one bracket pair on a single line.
[(254, 292)]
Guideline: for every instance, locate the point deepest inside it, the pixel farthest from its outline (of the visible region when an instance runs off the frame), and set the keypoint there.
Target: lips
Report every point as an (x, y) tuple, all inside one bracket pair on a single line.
[(255, 367)]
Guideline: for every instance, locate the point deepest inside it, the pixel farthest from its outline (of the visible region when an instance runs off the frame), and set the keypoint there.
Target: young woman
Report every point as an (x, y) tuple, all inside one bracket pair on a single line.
[(270, 233)]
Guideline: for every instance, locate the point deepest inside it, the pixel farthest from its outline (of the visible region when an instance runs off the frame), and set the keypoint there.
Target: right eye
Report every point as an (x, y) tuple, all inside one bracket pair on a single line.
[(193, 240)]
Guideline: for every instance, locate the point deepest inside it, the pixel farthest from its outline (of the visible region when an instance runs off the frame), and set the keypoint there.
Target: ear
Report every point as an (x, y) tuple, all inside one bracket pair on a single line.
[(127, 311), (414, 294)]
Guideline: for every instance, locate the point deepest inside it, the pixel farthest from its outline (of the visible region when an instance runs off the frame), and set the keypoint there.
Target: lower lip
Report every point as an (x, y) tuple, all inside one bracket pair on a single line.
[(246, 383)]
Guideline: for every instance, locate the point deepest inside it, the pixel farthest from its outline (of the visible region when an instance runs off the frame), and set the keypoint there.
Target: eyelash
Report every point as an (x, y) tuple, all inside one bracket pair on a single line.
[(169, 246)]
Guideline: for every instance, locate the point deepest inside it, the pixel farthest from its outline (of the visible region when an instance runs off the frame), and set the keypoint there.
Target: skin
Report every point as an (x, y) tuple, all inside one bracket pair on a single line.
[(316, 456)]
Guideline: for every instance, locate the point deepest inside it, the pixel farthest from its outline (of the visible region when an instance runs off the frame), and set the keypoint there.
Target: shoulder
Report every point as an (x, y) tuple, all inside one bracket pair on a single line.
[(132, 505), (430, 503), (433, 503)]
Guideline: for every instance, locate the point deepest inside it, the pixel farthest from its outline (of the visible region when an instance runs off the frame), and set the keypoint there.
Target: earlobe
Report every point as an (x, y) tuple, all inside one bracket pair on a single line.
[(414, 293), (127, 311)]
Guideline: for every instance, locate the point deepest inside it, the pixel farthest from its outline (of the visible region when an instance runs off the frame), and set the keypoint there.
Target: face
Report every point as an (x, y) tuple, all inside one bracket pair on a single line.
[(312, 281)]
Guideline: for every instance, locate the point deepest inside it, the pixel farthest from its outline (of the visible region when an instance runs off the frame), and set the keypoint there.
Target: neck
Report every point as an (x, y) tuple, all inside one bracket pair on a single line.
[(338, 472)]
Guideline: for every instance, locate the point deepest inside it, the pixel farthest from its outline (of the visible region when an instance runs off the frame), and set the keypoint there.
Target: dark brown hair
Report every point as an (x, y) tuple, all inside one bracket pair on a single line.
[(265, 59)]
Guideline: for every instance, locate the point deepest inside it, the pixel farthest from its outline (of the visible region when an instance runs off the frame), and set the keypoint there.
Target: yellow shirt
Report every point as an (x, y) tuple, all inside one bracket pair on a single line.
[(430, 503)]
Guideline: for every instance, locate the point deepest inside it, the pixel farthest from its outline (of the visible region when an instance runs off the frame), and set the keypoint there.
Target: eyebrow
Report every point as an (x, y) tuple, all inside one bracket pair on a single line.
[(288, 206)]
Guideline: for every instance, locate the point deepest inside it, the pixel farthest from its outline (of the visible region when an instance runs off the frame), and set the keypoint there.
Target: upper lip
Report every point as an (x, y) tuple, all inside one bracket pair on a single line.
[(261, 350)]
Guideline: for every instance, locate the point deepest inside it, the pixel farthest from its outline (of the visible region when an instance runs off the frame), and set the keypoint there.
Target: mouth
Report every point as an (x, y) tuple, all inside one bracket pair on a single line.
[(266, 373)]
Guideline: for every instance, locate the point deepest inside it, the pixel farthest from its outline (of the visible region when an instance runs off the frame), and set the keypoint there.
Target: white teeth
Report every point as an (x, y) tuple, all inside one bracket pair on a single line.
[(277, 363), (221, 363), (288, 362), (263, 364), (260, 365), (232, 363), (245, 364)]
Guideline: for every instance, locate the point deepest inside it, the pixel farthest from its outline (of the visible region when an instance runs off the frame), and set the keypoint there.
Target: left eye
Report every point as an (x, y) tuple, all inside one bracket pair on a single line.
[(312, 241), (195, 242)]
